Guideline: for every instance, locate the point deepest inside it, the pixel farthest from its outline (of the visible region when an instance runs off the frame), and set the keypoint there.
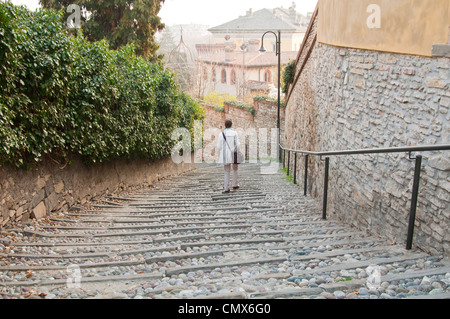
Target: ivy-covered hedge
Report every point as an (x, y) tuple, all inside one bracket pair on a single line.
[(62, 95)]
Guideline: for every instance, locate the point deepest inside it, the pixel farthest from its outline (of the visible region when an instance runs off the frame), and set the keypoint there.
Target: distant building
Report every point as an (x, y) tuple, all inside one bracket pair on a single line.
[(224, 69), (233, 65), (292, 25)]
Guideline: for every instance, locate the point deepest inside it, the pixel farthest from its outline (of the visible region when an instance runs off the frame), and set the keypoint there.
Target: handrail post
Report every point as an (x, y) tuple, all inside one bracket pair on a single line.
[(325, 188), (284, 158), (295, 168), (415, 193), (288, 163), (279, 153), (306, 173)]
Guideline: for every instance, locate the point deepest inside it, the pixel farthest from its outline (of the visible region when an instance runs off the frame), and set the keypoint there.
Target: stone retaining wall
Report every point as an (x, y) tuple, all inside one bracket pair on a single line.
[(48, 187), (265, 117), (353, 99)]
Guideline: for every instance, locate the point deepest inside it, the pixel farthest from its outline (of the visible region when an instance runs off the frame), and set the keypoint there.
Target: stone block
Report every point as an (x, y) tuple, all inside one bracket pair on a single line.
[(440, 162), (59, 187), (51, 202), (19, 212), (435, 83), (445, 185), (366, 66), (441, 50), (40, 195), (392, 189), (387, 58), (4, 221), (357, 71), (49, 187), (40, 183), (40, 211), (436, 228), (445, 102), (409, 71), (360, 83)]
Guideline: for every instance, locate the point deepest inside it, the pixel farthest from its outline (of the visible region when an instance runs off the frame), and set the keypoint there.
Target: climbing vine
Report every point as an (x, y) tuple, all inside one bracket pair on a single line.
[(288, 75)]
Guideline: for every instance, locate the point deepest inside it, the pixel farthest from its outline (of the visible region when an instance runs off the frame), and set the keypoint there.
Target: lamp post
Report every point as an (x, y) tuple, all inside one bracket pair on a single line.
[(277, 53)]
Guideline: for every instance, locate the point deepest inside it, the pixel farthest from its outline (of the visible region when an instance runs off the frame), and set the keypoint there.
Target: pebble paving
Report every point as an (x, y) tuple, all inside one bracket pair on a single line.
[(184, 238)]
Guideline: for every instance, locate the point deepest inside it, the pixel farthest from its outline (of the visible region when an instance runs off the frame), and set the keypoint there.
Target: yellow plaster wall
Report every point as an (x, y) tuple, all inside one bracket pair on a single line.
[(407, 26)]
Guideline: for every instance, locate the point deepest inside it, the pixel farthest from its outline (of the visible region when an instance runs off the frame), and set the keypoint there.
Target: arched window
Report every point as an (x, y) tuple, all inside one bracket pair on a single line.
[(224, 76), (233, 77), (267, 76), (214, 78)]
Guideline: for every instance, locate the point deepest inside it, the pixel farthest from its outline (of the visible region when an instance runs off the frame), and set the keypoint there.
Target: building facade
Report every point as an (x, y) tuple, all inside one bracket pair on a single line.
[(233, 64), (252, 25), (241, 73)]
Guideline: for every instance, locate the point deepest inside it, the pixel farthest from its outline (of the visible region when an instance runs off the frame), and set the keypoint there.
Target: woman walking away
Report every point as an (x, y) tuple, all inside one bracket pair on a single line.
[(227, 143)]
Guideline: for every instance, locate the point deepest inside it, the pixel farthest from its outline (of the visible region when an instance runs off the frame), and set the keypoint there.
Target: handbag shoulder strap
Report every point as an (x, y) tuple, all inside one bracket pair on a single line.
[(223, 133)]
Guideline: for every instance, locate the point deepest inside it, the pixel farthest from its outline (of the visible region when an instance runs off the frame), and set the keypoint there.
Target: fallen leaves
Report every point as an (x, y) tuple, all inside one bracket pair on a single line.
[(33, 292)]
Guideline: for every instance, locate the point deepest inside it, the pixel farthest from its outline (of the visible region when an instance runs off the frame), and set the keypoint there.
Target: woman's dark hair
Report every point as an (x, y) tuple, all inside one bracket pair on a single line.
[(228, 123)]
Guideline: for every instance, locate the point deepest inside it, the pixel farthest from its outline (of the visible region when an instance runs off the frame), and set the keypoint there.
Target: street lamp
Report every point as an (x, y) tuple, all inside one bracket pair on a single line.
[(277, 53)]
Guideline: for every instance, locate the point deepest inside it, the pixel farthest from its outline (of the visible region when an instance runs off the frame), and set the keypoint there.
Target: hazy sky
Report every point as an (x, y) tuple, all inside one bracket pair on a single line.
[(216, 12), (209, 12), (31, 4)]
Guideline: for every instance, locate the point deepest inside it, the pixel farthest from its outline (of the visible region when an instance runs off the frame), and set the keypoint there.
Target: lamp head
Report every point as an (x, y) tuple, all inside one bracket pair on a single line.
[(262, 49)]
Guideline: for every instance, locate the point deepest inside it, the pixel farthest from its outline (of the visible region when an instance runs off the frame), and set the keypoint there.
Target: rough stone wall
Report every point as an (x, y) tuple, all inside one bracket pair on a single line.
[(241, 118), (47, 188), (266, 113), (213, 118), (352, 99)]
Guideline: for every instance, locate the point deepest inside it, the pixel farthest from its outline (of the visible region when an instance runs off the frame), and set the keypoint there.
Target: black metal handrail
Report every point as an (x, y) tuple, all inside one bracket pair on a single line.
[(407, 149)]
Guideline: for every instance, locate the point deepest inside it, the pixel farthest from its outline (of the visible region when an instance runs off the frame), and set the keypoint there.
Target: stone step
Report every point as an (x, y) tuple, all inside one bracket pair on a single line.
[(86, 255), (230, 242), (91, 235), (360, 264), (445, 295), (339, 252), (287, 293), (83, 280), (146, 226), (179, 270), (417, 274), (183, 235), (326, 236)]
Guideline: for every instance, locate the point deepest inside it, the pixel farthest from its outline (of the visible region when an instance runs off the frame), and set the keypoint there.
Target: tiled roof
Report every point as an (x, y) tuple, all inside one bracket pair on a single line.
[(260, 20)]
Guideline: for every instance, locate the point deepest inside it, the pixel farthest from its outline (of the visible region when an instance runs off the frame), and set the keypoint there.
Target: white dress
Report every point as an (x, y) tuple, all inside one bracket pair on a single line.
[(225, 152)]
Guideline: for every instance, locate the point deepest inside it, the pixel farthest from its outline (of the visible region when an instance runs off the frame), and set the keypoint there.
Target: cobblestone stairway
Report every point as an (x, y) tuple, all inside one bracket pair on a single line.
[(184, 238)]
